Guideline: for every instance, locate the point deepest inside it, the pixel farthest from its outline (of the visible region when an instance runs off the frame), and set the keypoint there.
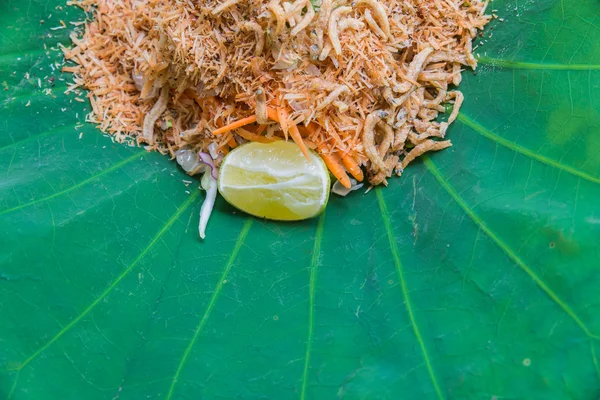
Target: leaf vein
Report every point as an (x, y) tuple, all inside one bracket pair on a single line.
[(211, 304), (524, 151), (14, 385), (396, 256), (78, 185), (494, 62), (594, 359), (311, 301), (123, 274), (504, 247), (41, 135)]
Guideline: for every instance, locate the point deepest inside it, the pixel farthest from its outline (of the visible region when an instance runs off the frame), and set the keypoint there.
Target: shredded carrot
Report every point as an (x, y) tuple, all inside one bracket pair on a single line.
[(280, 115), (334, 164), (231, 142), (235, 124), (346, 159), (272, 113), (253, 137), (304, 131), (352, 167), (261, 129), (282, 118), (295, 133)]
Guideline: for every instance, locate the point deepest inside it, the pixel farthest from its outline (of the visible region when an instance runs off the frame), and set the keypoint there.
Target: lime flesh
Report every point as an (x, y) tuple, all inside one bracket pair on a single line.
[(275, 181)]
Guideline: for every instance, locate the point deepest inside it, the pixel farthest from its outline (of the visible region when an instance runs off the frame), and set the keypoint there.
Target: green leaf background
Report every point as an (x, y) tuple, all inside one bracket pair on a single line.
[(474, 276)]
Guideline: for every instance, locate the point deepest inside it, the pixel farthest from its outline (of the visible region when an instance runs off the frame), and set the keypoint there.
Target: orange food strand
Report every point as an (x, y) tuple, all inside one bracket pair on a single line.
[(352, 167), (235, 125), (280, 114), (261, 129), (334, 164), (298, 139), (253, 137), (311, 129), (304, 131), (232, 143), (283, 121), (272, 114)]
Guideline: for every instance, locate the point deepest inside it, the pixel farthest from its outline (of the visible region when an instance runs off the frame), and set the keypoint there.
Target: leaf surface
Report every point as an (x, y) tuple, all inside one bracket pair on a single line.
[(473, 276)]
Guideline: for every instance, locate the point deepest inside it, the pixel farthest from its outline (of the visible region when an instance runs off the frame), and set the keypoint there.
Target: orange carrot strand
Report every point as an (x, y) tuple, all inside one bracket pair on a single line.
[(295, 134), (304, 131), (335, 166), (283, 121), (253, 137), (272, 113), (282, 114), (236, 124), (261, 129), (352, 167)]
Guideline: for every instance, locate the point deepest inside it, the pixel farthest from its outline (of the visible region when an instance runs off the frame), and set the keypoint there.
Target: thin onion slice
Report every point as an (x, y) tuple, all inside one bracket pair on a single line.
[(343, 191), (208, 160), (209, 183), (212, 150)]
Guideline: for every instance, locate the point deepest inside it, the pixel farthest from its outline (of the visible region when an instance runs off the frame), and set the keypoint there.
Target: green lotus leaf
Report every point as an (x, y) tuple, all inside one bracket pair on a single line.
[(474, 276)]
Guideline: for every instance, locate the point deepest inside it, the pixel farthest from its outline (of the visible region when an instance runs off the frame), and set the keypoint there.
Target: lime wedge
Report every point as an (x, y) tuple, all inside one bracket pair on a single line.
[(274, 181)]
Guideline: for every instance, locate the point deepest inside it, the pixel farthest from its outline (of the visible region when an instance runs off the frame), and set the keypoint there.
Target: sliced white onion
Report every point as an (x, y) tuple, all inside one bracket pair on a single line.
[(209, 183), (212, 149), (188, 159), (343, 191), (208, 160)]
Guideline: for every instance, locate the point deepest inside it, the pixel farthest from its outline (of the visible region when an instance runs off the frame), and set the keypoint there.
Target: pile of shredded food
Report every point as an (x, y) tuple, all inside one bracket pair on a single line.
[(361, 82)]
